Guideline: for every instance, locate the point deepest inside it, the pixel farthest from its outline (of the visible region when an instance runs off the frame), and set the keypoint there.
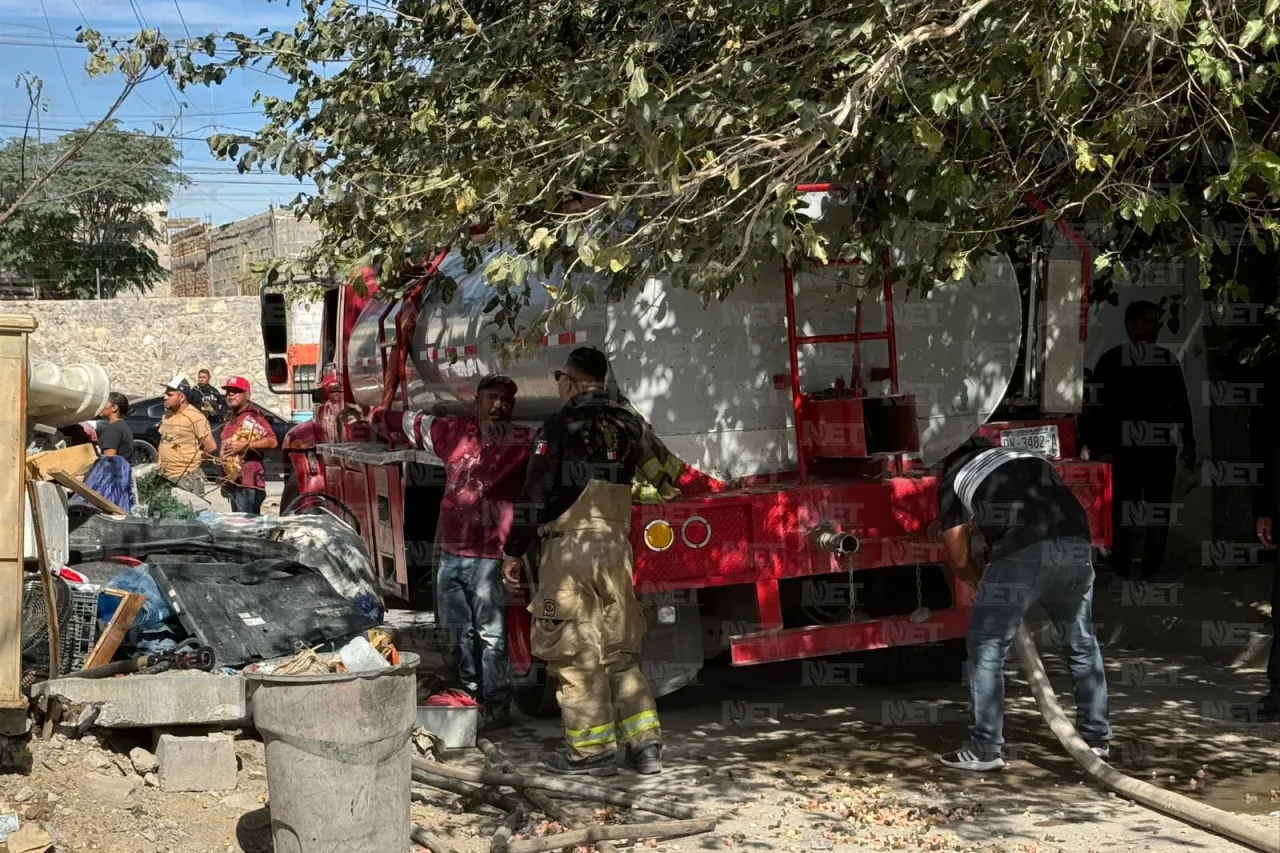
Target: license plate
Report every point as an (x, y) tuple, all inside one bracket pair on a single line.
[(1042, 439)]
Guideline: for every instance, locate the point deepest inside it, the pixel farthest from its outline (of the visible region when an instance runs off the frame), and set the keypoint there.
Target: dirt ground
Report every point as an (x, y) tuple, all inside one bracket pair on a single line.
[(783, 763)]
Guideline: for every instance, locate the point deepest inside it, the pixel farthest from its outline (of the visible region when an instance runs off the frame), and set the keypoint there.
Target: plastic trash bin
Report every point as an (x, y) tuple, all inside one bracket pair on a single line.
[(338, 757)]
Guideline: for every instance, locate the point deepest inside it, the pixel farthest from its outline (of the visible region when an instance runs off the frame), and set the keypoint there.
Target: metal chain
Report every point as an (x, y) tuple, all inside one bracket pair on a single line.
[(919, 592), (853, 594)]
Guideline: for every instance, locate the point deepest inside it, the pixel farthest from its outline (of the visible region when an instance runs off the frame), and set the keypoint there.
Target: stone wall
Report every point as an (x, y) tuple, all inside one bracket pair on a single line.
[(142, 342)]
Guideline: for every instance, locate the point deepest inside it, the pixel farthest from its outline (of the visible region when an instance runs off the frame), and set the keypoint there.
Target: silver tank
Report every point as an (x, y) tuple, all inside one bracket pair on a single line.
[(710, 378)]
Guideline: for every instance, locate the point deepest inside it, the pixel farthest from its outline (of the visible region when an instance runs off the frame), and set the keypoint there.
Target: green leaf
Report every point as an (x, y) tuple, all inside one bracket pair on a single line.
[(927, 135), (618, 262), (1252, 30), (639, 86), (1084, 156), (735, 178)]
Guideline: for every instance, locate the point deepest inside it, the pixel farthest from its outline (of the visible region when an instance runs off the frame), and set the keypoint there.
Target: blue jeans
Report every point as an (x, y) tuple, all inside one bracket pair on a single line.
[(1059, 574), (244, 499), (472, 611)]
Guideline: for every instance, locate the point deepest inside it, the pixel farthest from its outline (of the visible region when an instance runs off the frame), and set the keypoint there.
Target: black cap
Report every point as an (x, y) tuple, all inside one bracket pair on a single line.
[(497, 379), (590, 361)]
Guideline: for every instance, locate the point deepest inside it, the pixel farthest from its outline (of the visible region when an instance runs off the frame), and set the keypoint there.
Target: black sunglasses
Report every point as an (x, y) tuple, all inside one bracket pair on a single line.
[(560, 374)]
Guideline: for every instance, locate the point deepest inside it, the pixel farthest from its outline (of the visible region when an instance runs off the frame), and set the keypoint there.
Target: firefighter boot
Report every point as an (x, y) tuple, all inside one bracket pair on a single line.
[(600, 764), (645, 759)]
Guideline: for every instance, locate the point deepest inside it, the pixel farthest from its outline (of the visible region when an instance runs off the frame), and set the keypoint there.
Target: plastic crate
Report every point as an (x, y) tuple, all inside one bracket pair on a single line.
[(77, 633), (80, 631)]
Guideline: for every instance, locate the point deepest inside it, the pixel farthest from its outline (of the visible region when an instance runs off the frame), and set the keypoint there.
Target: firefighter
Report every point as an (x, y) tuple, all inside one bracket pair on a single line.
[(587, 621)]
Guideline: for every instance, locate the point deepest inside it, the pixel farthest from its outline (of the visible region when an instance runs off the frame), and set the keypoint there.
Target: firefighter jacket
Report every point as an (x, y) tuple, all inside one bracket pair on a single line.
[(593, 438)]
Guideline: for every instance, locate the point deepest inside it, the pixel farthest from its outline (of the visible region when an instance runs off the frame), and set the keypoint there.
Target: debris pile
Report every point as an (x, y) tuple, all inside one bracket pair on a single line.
[(881, 820)]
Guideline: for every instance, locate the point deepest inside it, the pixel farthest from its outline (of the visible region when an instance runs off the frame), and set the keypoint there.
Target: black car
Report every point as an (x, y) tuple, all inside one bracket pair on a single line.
[(144, 419)]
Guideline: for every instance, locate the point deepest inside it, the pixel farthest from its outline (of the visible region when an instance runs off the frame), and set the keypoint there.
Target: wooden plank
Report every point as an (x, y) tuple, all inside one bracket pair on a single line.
[(121, 621), (74, 460), (46, 582), (62, 478), (13, 514)]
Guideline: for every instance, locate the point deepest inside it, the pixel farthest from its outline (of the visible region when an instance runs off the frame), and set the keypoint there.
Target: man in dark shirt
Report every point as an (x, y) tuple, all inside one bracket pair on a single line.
[(587, 622), (1263, 426), (207, 400), (116, 438), (1138, 414), (1038, 550)]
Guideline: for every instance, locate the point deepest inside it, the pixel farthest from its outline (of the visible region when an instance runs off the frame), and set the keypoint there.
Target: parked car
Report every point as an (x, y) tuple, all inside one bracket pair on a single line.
[(144, 419)]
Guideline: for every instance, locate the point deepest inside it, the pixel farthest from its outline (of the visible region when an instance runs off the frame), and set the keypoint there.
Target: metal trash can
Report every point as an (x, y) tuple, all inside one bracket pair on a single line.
[(338, 757)]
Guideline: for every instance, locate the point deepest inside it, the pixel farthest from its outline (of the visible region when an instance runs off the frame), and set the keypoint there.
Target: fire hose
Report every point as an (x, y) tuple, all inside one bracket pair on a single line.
[(1226, 824)]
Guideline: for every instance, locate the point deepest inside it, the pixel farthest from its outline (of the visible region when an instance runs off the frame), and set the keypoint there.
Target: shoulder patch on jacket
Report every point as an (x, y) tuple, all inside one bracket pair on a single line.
[(540, 449)]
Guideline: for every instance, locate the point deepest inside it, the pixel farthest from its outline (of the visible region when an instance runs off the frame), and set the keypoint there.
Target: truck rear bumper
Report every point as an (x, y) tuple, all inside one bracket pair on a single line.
[(818, 640)]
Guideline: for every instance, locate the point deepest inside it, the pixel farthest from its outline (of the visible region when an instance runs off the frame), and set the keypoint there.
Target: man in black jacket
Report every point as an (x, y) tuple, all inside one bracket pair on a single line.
[(1138, 416), (587, 622), (1266, 450)]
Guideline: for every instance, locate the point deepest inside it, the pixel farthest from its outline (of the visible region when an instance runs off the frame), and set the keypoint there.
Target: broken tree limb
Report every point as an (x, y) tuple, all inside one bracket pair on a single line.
[(462, 789), (430, 840), (537, 799), (635, 831), (595, 793), (500, 842)]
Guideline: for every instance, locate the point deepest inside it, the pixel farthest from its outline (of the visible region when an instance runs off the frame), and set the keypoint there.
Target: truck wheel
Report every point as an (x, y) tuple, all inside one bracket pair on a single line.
[(534, 692), (290, 493), (534, 695), (943, 661)]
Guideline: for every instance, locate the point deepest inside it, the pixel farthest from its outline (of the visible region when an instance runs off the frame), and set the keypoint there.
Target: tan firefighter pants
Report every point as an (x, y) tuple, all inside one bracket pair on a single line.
[(588, 624)]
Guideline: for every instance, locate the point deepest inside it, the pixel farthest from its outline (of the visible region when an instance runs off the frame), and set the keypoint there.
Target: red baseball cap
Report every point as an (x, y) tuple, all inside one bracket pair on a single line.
[(330, 381), (236, 383)]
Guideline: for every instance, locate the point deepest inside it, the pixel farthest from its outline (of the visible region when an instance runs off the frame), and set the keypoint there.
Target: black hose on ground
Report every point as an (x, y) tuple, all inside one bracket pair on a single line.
[(1226, 824)]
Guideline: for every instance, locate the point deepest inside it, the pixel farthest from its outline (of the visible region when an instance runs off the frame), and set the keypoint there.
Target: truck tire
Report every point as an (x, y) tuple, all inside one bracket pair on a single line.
[(534, 692), (534, 695), (943, 661)]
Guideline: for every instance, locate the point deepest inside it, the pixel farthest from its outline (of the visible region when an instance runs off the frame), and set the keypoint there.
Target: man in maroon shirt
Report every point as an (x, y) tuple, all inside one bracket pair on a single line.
[(484, 458), (246, 435)]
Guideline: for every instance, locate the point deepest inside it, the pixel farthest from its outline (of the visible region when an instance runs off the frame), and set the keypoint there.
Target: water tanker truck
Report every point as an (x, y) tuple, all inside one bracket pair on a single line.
[(804, 414)]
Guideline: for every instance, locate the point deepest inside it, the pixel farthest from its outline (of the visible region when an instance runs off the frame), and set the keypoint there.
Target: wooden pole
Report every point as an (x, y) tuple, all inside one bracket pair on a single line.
[(14, 329), (46, 581)]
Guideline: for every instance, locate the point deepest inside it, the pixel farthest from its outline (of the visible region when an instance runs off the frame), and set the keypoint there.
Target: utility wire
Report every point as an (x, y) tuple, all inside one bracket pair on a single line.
[(61, 66), (182, 18)]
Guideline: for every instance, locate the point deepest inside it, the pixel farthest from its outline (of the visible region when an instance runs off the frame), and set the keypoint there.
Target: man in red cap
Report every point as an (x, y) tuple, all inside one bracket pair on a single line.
[(484, 458), (246, 435), (326, 414)]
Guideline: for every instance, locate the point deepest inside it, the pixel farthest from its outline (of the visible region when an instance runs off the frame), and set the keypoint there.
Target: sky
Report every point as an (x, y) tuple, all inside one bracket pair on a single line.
[(38, 37)]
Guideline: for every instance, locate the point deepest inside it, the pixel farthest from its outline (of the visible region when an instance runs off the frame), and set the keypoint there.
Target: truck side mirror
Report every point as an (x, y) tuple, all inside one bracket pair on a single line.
[(275, 338), (277, 373)]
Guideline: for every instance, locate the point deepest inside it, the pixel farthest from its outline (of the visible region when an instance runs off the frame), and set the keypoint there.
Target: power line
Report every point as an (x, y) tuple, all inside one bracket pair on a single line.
[(182, 18), (142, 21), (63, 68), (81, 11)]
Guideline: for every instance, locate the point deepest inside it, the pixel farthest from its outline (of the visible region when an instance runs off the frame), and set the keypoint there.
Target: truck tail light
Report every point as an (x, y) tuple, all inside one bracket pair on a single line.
[(658, 535)]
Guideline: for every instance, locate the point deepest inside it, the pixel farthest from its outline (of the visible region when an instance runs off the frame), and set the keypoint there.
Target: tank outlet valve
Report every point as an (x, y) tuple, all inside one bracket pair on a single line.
[(835, 542), (666, 615)]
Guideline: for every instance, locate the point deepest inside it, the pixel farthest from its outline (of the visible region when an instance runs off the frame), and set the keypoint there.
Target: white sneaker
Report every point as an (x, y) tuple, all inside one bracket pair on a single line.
[(967, 759), (1103, 752)]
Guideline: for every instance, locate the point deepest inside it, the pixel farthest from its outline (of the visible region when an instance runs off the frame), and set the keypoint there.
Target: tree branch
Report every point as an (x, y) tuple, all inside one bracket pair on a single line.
[(72, 150)]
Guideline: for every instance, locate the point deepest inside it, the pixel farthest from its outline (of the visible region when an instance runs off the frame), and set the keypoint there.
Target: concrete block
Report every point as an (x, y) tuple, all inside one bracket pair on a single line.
[(206, 763), (168, 699)]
